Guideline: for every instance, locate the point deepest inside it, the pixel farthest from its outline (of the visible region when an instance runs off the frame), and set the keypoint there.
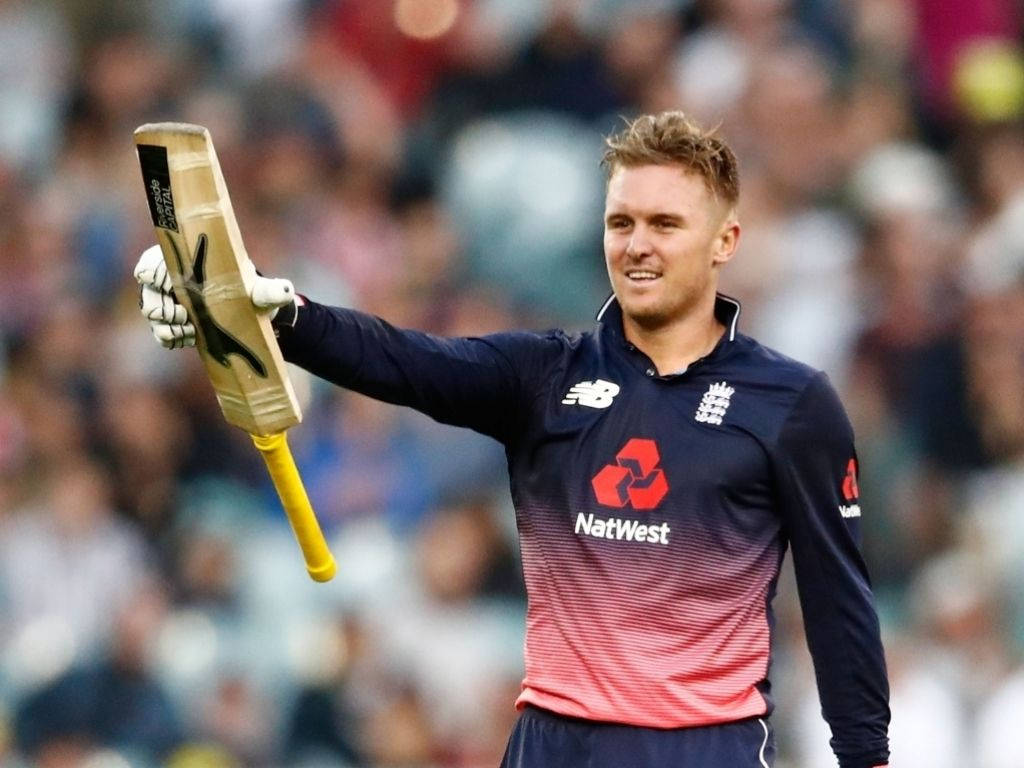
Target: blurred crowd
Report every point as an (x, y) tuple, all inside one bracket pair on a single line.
[(436, 162)]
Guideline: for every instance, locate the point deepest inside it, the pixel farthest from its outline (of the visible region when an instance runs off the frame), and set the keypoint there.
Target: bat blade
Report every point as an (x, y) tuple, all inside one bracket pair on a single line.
[(212, 276)]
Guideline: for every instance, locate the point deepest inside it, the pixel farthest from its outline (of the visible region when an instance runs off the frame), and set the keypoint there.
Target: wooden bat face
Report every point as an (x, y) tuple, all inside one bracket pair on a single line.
[(212, 275)]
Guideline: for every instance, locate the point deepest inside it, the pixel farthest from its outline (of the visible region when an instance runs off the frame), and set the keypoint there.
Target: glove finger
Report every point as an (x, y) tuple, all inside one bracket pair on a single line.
[(179, 343), (152, 270), (162, 307), (146, 265), (162, 277), (174, 335), (150, 302), (188, 340), (270, 292), (147, 261)]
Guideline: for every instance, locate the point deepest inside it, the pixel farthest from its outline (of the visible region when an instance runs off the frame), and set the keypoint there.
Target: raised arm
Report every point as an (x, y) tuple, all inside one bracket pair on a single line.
[(484, 383)]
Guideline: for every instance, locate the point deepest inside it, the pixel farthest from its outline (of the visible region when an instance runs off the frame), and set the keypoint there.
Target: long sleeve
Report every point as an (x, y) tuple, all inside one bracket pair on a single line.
[(815, 473), (482, 383)]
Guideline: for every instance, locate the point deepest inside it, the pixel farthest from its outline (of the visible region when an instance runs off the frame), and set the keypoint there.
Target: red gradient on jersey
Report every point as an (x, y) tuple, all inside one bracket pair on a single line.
[(662, 636), (634, 479)]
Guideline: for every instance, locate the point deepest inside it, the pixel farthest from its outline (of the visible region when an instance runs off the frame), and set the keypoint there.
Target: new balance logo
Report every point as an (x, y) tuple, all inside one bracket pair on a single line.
[(714, 404), (593, 394)]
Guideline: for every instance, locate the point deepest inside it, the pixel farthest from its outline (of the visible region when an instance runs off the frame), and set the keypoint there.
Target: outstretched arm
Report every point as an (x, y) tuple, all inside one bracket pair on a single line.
[(482, 383), (478, 382)]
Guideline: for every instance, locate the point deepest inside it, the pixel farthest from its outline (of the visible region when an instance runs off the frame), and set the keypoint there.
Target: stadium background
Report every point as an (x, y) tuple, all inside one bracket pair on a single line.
[(153, 607)]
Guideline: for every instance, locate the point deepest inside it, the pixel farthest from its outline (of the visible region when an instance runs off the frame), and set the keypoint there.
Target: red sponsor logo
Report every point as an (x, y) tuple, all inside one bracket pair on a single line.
[(850, 490), (635, 479)]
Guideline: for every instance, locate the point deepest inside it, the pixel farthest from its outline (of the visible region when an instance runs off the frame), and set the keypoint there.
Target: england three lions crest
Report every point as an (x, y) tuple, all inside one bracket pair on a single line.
[(714, 403)]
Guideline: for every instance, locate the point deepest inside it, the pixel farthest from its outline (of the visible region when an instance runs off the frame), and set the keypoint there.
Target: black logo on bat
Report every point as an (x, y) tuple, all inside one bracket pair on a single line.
[(219, 343)]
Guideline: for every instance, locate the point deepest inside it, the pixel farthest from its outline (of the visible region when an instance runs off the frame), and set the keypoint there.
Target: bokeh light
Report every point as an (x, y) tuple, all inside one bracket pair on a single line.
[(426, 19)]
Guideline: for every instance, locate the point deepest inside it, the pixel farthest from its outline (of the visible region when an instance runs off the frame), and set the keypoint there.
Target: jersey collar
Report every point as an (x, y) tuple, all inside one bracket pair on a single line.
[(727, 312)]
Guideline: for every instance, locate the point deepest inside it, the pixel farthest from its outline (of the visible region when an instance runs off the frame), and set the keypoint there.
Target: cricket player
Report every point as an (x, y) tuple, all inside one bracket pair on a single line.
[(660, 466)]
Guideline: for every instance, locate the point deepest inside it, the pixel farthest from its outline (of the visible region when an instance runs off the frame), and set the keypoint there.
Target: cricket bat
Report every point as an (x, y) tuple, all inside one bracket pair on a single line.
[(212, 276)]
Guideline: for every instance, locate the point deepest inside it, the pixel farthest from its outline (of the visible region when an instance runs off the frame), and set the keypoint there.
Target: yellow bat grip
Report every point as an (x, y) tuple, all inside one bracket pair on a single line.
[(319, 560)]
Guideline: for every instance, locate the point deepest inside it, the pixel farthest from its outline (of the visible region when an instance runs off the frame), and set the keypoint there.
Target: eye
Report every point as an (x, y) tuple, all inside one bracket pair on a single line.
[(618, 222)]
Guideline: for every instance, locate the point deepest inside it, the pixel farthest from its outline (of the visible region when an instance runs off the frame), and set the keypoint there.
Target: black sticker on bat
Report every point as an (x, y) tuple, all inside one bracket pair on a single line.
[(219, 343), (157, 177)]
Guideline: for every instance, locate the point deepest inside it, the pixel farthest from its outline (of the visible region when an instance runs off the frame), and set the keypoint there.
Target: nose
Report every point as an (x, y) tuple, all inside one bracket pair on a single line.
[(639, 244)]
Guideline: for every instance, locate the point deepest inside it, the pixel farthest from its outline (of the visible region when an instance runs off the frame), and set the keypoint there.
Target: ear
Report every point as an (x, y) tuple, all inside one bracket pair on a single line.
[(726, 240)]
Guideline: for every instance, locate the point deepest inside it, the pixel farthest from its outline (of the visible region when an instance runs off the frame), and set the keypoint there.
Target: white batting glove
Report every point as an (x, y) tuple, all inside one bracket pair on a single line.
[(169, 320), (272, 293)]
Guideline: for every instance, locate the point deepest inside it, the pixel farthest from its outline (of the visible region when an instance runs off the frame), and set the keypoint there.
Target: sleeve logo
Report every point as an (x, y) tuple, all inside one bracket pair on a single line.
[(593, 394), (851, 494)]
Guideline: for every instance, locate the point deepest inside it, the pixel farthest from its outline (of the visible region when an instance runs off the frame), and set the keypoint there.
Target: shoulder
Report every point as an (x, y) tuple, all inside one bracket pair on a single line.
[(774, 390), (764, 363)]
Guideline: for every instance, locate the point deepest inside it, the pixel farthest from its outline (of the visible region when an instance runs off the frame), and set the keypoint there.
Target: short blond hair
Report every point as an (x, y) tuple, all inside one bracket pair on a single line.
[(671, 138)]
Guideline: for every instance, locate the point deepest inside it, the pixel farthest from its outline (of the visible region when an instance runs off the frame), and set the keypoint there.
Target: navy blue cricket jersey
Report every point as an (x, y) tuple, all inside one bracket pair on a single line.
[(653, 512)]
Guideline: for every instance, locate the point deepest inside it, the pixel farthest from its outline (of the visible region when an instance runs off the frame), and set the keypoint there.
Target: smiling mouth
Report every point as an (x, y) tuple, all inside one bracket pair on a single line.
[(642, 276)]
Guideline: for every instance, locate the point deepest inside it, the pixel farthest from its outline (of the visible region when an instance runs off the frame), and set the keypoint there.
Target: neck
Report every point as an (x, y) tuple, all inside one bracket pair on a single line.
[(674, 346)]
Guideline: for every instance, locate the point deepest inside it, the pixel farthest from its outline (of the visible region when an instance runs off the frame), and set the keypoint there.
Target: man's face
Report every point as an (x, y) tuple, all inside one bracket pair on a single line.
[(665, 236)]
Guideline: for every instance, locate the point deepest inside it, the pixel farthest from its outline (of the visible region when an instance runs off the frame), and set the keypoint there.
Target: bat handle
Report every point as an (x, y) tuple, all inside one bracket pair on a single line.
[(319, 560)]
